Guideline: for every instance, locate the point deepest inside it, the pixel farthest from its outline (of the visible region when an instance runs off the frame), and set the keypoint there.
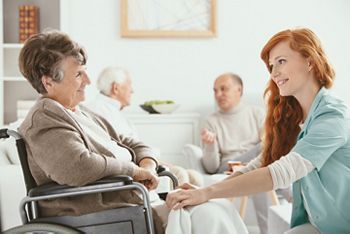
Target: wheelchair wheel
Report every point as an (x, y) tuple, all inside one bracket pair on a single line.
[(41, 228)]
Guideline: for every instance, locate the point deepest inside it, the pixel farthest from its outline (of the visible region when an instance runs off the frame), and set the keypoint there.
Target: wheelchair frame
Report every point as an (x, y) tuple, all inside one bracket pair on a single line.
[(28, 206)]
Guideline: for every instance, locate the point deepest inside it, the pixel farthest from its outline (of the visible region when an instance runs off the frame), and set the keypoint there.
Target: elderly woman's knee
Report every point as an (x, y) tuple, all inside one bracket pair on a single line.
[(187, 175)]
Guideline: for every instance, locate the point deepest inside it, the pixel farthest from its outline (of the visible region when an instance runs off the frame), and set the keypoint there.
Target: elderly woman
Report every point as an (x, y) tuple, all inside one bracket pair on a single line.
[(71, 145), (68, 144)]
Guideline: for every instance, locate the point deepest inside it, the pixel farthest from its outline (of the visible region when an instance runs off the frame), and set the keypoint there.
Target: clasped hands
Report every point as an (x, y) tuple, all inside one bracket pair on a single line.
[(185, 194)]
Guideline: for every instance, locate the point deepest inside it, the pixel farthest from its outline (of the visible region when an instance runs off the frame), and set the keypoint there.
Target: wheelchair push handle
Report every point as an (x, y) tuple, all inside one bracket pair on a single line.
[(6, 133), (3, 133), (163, 171)]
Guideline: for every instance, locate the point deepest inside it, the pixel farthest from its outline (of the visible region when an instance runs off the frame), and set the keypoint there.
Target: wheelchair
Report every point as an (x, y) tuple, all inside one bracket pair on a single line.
[(130, 219)]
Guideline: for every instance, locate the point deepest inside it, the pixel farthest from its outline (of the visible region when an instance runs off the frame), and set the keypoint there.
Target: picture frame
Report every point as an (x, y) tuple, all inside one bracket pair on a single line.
[(168, 18)]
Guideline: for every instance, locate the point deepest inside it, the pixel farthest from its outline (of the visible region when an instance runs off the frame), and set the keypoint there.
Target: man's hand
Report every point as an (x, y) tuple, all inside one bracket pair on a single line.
[(146, 177), (207, 136)]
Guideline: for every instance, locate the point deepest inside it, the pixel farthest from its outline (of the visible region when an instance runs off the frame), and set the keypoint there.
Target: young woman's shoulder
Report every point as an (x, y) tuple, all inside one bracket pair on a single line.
[(332, 105)]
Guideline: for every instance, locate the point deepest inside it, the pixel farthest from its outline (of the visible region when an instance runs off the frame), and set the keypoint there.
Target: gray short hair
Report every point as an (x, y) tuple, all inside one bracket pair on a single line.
[(111, 75), (42, 55)]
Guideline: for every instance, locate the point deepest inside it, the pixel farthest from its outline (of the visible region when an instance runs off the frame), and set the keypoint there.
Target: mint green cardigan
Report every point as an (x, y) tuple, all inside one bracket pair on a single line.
[(325, 142)]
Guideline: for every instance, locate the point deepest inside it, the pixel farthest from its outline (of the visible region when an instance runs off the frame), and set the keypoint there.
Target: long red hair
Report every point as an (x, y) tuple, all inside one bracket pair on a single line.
[(284, 113)]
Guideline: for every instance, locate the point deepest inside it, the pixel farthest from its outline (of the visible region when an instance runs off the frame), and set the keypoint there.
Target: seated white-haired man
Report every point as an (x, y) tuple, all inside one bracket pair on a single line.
[(115, 86)]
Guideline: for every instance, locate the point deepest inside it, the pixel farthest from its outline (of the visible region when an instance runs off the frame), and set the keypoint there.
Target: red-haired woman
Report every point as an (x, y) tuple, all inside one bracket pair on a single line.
[(306, 142)]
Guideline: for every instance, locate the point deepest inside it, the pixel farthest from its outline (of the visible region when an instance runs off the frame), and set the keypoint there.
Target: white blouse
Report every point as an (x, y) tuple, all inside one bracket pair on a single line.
[(99, 135)]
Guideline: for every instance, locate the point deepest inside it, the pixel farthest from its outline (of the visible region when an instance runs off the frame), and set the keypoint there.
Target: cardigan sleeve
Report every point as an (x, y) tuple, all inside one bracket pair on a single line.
[(59, 152)]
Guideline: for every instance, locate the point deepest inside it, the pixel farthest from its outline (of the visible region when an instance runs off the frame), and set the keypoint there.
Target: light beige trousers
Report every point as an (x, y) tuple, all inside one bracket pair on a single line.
[(302, 229)]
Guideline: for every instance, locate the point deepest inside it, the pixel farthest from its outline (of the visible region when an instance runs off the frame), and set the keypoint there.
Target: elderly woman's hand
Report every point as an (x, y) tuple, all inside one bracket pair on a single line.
[(180, 198), (146, 177)]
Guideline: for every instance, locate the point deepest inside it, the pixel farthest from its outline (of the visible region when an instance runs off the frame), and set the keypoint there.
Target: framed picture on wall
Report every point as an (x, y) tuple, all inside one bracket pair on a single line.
[(168, 18)]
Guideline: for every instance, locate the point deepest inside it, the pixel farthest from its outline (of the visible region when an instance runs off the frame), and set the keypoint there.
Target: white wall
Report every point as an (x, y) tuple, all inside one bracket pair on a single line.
[(184, 69)]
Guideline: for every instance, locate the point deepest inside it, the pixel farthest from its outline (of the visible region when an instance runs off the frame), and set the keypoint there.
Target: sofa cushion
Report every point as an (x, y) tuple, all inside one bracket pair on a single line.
[(194, 156), (8, 146), (12, 190), (211, 179), (4, 159), (8, 154), (279, 218)]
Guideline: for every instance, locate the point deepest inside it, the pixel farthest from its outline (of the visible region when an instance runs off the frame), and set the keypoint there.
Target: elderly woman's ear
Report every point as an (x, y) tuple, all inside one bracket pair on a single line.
[(47, 82)]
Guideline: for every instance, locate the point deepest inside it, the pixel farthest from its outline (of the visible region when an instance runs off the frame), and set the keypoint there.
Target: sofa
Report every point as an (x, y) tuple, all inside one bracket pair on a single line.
[(12, 187), (194, 154)]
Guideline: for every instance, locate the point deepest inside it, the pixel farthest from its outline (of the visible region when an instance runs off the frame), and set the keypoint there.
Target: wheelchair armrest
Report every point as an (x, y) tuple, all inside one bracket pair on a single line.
[(164, 171), (54, 188)]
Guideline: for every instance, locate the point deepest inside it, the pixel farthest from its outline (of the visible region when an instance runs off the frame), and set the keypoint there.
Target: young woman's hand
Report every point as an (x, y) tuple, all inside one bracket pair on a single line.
[(181, 198)]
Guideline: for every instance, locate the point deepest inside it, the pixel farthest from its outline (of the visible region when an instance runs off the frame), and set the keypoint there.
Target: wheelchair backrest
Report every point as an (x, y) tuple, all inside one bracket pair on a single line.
[(22, 154)]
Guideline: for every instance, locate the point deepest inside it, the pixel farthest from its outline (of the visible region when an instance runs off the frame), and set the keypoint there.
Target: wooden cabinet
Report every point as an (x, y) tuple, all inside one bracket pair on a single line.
[(13, 86), (168, 133)]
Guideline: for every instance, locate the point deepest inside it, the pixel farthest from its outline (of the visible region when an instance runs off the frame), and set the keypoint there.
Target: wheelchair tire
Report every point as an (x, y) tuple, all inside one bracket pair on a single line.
[(41, 228)]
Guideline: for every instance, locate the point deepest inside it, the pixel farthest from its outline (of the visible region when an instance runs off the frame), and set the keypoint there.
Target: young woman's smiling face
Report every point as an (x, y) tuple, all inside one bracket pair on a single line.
[(289, 69)]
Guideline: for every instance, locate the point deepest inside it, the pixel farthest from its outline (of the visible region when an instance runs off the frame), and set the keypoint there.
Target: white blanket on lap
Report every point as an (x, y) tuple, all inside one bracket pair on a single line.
[(215, 216)]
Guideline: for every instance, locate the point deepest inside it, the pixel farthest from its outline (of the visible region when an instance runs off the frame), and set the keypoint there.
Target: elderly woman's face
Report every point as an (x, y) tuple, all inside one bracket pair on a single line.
[(71, 90)]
